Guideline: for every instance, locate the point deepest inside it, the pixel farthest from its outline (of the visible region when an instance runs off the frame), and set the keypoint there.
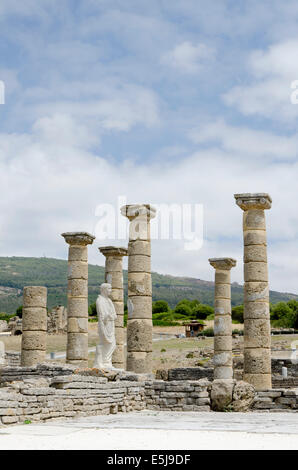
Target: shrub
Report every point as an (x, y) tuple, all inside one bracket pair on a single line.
[(237, 332), (92, 310), (207, 332), (237, 314), (201, 311), (19, 311), (183, 309), (6, 316), (160, 306)]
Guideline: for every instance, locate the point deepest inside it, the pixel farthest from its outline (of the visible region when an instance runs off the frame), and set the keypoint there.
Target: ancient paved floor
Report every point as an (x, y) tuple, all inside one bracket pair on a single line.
[(159, 430)]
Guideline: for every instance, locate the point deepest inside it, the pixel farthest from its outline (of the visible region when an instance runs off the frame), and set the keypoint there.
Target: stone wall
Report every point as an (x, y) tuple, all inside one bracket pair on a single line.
[(49, 391), (37, 398), (178, 396), (185, 373), (12, 359), (276, 400)]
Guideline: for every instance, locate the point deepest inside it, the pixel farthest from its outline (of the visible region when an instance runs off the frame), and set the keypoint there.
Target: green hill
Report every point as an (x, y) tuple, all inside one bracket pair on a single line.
[(17, 272)]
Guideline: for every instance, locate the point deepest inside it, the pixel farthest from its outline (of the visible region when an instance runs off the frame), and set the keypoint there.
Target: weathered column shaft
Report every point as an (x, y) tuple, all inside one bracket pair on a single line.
[(139, 324), (77, 297), (257, 340), (222, 359), (114, 276), (34, 326)]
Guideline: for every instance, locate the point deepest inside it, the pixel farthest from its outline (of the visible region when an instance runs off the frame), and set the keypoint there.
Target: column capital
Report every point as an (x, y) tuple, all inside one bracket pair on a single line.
[(131, 211), (222, 263), (247, 201), (113, 251), (78, 238)]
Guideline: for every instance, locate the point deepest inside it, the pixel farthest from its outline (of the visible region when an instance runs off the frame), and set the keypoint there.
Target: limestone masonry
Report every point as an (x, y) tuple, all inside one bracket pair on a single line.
[(34, 337), (77, 297), (222, 359), (139, 304), (257, 340)]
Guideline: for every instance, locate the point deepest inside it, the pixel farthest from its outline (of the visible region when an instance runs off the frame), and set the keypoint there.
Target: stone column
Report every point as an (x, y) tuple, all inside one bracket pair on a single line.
[(114, 276), (222, 359), (257, 340), (77, 297), (139, 304), (34, 325)]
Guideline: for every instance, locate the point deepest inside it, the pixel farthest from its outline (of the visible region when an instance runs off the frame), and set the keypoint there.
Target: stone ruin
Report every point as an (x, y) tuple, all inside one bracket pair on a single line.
[(56, 323), (57, 320), (40, 390)]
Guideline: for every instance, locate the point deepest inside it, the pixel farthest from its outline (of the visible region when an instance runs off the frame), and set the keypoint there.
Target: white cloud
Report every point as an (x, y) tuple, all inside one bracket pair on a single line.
[(189, 58), (243, 140), (53, 185), (268, 92)]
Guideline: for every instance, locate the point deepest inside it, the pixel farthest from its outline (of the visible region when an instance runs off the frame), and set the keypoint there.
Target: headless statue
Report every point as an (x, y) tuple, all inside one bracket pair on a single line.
[(106, 328)]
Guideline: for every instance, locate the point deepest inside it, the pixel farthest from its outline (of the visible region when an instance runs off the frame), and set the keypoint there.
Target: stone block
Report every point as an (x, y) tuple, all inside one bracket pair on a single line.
[(223, 325), (77, 253), (222, 277), (34, 318), (255, 237), (222, 291), (256, 291), (223, 343), (261, 382), (221, 394), (223, 373), (32, 357), (257, 333), (255, 253), (257, 361), (139, 335), (139, 263), (139, 247), (77, 288), (254, 271), (223, 359), (139, 284), (77, 346), (34, 340), (254, 219), (35, 296), (139, 362), (77, 325), (256, 310), (78, 270), (140, 307), (77, 307)]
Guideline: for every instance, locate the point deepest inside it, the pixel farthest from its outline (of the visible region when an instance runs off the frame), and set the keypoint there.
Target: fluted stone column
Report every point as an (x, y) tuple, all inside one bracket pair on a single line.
[(257, 340), (139, 304), (222, 359), (34, 326), (114, 276), (77, 297)]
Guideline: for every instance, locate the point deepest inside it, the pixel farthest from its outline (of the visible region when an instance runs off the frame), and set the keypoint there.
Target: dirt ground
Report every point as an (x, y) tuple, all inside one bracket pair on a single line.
[(168, 351)]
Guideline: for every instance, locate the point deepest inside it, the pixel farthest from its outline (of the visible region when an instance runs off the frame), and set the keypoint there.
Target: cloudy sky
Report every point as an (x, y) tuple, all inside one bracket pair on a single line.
[(160, 101)]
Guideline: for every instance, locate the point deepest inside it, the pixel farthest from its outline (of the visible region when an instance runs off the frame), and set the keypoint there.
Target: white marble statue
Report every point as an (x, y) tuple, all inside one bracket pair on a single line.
[(106, 328)]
